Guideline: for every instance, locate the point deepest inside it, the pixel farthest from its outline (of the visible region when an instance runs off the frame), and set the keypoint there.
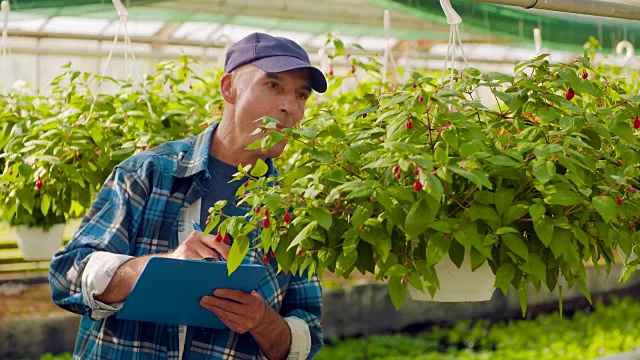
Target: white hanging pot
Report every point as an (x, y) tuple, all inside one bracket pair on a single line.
[(459, 284), (36, 244)]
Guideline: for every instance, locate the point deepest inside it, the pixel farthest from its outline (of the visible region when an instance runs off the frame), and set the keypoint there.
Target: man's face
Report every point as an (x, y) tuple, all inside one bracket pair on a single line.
[(281, 96)]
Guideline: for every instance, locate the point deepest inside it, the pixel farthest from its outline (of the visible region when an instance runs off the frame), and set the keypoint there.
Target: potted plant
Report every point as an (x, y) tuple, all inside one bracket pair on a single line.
[(56, 151), (394, 182)]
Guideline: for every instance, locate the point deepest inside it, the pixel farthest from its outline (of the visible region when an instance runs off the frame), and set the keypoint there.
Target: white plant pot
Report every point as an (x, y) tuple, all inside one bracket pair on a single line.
[(459, 284), (36, 244)]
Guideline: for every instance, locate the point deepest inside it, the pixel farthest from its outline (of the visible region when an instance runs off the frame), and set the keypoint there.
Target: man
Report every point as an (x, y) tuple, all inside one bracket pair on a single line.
[(145, 206)]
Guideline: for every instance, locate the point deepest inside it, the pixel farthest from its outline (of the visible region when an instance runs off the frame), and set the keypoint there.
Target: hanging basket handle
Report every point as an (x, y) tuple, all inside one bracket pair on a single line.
[(627, 47), (452, 16), (120, 8)]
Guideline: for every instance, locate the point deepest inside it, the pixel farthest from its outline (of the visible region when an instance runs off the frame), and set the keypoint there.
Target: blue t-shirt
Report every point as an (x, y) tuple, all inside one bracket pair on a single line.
[(222, 188)]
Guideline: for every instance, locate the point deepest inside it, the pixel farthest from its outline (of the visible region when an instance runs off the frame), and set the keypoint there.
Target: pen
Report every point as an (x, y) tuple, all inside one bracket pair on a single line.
[(197, 227)]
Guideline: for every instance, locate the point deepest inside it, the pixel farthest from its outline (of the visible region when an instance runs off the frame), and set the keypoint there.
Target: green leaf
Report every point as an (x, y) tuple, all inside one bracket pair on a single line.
[(416, 222), (544, 170), (271, 139), (326, 256), (503, 199), (322, 216), (26, 199), (383, 265), (471, 148), (322, 155), (502, 160), (272, 201), (516, 244), (504, 275), (362, 213), (565, 198), (259, 169), (522, 292), (307, 131), (582, 283), (238, 250), (505, 230), (305, 233), (416, 281), (477, 177), (441, 226), (483, 197), (547, 115), (624, 131), (605, 206), (45, 204), (537, 211), (537, 267), (255, 145), (543, 226), (339, 47), (477, 259), (433, 186), (350, 155), (397, 270), (472, 71), (345, 263), (515, 212), (366, 110), (456, 253), (561, 242), (402, 147), (382, 162), (397, 291), (500, 77), (437, 248), (351, 240), (477, 211)]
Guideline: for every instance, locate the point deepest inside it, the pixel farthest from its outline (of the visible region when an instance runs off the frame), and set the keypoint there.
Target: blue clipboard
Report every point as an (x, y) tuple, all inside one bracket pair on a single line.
[(169, 290)]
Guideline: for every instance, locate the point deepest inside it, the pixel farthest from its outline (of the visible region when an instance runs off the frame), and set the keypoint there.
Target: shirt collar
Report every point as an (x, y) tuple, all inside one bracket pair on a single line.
[(197, 157)]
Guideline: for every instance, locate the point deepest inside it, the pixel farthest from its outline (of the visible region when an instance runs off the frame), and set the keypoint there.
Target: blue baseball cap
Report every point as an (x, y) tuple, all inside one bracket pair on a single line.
[(273, 54)]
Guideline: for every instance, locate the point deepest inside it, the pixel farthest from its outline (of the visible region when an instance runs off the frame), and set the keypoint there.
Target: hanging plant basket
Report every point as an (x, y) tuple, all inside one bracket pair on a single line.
[(459, 284), (37, 244)]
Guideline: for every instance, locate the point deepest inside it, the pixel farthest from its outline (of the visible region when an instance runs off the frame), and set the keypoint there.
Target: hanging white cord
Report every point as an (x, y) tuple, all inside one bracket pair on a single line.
[(123, 14), (5, 12), (454, 20), (127, 41), (388, 54), (537, 40), (104, 69)]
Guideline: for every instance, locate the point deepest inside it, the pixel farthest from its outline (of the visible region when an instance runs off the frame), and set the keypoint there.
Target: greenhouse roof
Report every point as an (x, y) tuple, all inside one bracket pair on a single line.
[(415, 20)]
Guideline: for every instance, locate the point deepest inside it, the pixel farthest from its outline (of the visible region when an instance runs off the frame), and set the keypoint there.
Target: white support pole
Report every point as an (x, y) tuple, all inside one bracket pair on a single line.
[(584, 7)]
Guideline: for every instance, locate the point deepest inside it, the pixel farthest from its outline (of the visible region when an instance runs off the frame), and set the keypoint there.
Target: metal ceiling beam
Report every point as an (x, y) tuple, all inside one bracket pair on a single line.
[(133, 38), (157, 55), (583, 7)]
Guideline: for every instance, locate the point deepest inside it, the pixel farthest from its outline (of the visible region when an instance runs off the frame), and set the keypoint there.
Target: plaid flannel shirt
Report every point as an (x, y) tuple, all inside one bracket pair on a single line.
[(137, 212)]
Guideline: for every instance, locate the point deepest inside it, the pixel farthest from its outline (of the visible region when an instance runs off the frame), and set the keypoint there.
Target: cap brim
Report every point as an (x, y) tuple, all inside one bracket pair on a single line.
[(277, 64)]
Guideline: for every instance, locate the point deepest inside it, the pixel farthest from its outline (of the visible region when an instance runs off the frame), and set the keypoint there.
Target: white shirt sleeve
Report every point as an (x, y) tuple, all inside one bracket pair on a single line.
[(300, 338), (98, 273)]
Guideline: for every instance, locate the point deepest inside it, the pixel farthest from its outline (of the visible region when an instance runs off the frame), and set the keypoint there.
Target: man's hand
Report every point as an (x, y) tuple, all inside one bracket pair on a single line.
[(247, 312), (239, 310), (198, 246)]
